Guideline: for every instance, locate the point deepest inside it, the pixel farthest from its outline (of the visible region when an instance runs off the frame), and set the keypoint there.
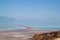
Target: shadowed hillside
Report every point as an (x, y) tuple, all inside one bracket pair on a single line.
[(47, 36)]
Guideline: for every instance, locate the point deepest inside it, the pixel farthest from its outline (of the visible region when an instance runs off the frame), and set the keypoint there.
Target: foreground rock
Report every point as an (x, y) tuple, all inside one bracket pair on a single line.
[(47, 36)]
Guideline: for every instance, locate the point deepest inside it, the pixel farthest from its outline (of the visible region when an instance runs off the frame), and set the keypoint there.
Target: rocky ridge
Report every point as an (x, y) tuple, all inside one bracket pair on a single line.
[(47, 36)]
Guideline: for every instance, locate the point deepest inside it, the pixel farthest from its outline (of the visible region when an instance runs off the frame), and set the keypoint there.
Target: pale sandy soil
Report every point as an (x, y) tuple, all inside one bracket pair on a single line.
[(57, 39), (21, 35)]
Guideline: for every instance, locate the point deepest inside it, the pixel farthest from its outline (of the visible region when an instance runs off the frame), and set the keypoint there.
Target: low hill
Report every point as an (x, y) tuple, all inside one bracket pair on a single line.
[(55, 35)]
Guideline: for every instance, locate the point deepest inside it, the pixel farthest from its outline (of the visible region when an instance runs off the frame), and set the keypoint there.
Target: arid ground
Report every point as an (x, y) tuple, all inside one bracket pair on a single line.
[(22, 34)]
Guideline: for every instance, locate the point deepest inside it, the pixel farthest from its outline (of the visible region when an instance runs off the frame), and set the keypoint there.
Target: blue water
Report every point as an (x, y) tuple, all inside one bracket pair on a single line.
[(9, 27), (48, 27), (14, 27)]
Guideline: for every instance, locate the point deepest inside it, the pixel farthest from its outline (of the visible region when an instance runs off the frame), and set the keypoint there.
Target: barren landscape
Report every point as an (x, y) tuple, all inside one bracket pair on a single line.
[(29, 20), (23, 34)]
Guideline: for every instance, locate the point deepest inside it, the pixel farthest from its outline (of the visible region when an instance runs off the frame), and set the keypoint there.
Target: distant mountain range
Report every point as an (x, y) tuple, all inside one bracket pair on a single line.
[(17, 27), (5, 19)]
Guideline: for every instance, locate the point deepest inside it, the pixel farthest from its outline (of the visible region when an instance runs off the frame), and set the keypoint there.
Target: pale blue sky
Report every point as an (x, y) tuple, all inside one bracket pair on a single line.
[(32, 12)]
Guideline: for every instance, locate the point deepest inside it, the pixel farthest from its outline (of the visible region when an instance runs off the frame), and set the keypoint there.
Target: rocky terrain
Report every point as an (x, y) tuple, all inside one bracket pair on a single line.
[(22, 34), (29, 33), (54, 35), (19, 35)]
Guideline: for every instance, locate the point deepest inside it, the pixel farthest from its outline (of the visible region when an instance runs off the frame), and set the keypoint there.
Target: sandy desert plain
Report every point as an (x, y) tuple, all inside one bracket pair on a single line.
[(22, 34)]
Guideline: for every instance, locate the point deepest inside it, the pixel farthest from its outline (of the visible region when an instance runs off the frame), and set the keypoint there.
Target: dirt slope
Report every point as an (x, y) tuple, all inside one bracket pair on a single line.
[(47, 36)]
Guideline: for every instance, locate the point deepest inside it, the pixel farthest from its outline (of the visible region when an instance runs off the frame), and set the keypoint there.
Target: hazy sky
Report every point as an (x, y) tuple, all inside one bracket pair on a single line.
[(34, 12)]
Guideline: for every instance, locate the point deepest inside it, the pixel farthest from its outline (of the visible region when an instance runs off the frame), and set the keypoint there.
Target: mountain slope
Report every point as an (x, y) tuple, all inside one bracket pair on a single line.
[(6, 19)]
